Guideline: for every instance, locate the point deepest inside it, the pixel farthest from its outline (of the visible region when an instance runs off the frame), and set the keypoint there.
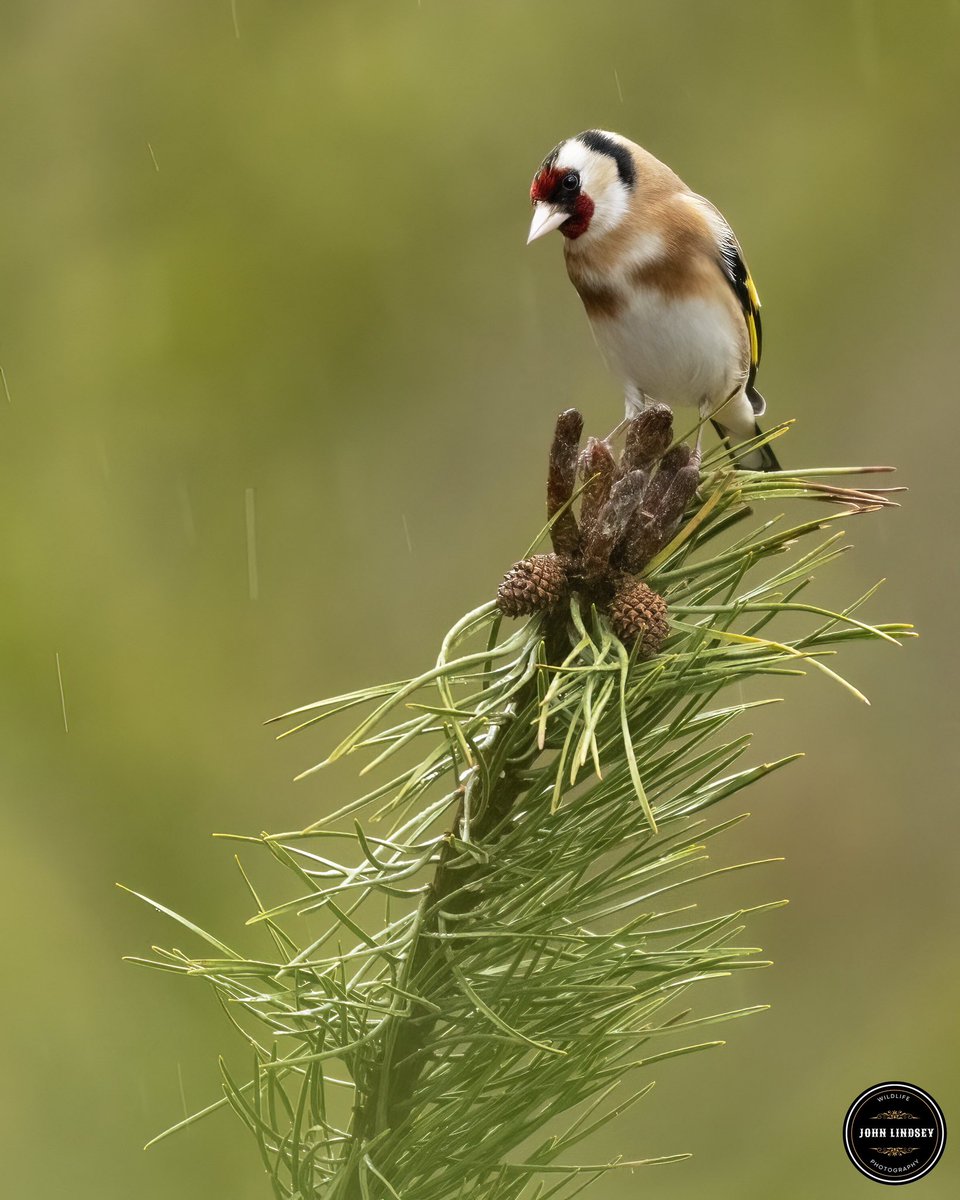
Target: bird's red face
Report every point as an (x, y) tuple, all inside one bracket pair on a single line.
[(559, 203)]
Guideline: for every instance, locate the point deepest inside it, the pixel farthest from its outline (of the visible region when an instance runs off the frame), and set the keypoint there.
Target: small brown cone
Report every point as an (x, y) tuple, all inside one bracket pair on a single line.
[(533, 585), (637, 611)]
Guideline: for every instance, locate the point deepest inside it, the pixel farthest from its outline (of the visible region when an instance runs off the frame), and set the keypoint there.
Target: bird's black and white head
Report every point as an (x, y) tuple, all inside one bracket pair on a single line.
[(584, 186)]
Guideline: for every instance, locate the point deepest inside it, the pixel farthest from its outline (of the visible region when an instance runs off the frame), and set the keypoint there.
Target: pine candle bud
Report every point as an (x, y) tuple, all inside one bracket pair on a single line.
[(562, 480), (597, 469), (648, 436)]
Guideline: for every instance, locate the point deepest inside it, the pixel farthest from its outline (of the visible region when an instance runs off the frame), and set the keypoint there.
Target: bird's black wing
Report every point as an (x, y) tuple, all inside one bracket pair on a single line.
[(737, 274)]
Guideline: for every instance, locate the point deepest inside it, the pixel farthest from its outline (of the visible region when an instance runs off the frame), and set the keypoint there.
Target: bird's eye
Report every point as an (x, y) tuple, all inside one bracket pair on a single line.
[(571, 181)]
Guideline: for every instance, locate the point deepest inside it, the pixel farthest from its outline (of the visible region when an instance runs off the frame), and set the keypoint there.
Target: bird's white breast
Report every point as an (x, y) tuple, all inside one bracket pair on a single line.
[(679, 350)]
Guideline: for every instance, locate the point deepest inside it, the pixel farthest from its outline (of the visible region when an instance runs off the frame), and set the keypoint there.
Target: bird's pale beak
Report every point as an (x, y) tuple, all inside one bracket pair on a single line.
[(546, 218)]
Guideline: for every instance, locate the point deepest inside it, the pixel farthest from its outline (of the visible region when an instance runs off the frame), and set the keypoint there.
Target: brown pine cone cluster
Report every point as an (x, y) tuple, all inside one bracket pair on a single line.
[(628, 511)]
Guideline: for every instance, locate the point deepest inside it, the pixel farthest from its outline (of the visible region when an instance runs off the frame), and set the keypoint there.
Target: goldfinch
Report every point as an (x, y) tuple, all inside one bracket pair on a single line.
[(662, 277)]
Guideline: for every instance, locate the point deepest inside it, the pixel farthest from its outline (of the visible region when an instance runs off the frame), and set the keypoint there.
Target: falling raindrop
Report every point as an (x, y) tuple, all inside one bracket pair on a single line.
[(63, 701), (253, 578)]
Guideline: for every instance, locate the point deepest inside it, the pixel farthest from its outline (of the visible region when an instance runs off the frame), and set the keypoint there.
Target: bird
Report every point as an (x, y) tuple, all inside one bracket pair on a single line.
[(663, 280)]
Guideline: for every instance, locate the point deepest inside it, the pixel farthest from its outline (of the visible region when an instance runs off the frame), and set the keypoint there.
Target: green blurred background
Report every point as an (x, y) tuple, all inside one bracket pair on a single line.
[(293, 261)]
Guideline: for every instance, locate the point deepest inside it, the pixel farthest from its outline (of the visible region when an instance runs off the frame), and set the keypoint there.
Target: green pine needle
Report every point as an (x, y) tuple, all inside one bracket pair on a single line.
[(468, 963)]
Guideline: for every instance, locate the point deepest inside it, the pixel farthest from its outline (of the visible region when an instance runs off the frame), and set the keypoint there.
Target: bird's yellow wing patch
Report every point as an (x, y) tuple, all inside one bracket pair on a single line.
[(752, 314), (740, 279)]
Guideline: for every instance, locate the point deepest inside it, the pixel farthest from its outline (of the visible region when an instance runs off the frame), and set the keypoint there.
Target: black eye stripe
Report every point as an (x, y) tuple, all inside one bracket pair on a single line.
[(594, 140)]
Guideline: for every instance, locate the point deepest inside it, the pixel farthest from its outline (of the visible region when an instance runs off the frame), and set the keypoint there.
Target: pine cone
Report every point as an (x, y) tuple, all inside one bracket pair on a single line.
[(637, 611), (533, 585)]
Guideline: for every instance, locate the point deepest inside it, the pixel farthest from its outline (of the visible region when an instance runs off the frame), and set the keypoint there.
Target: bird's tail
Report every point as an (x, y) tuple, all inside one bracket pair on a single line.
[(760, 458)]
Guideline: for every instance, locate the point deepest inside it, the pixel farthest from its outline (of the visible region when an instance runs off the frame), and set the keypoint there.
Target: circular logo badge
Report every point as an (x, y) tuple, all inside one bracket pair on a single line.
[(894, 1133)]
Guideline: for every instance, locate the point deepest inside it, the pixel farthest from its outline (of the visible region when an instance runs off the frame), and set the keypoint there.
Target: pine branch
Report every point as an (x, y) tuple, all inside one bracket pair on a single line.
[(547, 794)]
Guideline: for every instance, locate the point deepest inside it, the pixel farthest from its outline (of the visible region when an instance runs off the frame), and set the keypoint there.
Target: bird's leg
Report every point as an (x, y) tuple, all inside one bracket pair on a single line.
[(617, 429), (704, 412), (697, 451)]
